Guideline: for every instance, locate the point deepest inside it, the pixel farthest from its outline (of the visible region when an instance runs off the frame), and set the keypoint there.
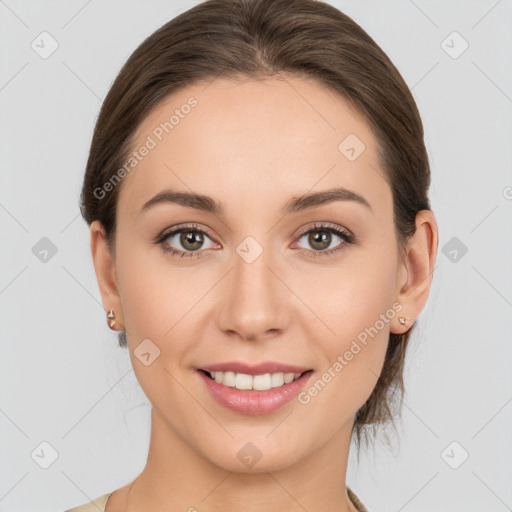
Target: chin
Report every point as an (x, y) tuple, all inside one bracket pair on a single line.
[(254, 458)]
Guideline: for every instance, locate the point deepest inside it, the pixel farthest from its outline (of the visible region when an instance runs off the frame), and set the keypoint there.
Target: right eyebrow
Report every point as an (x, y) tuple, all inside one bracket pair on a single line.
[(191, 200)]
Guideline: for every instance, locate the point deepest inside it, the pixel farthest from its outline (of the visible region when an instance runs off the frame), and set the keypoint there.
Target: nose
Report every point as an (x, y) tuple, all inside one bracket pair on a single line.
[(254, 299)]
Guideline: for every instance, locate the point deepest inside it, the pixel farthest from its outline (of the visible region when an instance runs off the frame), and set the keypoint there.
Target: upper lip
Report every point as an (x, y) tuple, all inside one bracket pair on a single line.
[(254, 369)]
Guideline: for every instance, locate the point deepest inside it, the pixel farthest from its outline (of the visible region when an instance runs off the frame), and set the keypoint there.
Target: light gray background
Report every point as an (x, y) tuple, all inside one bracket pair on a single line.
[(65, 381)]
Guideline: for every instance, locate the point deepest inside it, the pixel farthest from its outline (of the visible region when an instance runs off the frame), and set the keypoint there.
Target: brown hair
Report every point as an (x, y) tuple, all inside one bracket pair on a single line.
[(258, 39)]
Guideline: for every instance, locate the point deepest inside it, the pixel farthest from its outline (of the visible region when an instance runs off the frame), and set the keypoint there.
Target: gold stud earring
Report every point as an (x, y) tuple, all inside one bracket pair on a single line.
[(112, 319), (403, 320)]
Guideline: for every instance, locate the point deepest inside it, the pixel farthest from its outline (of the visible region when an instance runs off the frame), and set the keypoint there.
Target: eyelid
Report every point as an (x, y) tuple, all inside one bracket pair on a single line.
[(182, 227), (328, 226)]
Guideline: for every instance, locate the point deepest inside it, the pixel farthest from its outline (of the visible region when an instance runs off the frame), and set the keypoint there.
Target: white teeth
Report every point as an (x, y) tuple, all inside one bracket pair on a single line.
[(262, 382), (288, 377), (228, 379), (256, 382), (276, 380), (243, 381)]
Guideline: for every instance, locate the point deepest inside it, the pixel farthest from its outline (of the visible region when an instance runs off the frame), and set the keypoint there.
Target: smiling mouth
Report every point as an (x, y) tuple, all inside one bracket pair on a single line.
[(243, 381)]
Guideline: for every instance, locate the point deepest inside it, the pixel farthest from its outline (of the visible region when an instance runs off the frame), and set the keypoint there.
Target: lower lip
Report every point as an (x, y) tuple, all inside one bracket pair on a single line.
[(254, 402)]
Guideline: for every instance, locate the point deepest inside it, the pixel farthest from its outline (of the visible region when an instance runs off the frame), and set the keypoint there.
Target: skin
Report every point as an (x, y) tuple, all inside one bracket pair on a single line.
[(252, 145)]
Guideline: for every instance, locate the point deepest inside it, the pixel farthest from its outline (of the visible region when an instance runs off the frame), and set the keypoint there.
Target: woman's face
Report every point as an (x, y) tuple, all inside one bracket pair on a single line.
[(263, 279)]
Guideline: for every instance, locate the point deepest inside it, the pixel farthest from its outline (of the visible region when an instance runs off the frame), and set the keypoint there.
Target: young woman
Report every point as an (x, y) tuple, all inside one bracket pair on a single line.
[(257, 195)]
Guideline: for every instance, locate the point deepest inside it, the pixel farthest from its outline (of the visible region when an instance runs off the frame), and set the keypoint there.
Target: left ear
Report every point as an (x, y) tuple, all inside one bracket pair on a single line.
[(416, 271)]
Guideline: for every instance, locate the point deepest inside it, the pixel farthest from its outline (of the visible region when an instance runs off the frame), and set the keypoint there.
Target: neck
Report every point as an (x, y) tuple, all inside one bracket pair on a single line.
[(177, 478)]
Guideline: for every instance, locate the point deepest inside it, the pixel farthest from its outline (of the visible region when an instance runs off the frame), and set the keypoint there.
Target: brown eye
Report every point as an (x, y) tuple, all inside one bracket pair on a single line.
[(191, 240), (321, 238), (184, 241)]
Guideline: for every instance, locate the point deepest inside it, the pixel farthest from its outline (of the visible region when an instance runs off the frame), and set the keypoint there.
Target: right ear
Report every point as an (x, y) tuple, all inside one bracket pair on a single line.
[(104, 266)]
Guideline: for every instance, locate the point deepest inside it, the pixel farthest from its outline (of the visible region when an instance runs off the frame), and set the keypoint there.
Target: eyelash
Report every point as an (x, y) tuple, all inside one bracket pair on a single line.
[(346, 236)]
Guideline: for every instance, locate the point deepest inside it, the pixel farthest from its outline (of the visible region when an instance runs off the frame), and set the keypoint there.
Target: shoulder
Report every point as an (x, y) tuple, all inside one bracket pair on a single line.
[(96, 505)]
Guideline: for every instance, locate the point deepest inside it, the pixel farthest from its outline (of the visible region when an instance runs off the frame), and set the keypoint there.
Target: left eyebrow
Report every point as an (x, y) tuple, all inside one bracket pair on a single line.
[(295, 204), (314, 199)]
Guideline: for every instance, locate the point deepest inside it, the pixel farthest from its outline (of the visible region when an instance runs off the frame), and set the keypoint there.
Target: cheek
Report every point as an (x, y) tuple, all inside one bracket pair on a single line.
[(352, 295), (353, 357), (154, 306), (355, 302), (160, 304), (153, 292)]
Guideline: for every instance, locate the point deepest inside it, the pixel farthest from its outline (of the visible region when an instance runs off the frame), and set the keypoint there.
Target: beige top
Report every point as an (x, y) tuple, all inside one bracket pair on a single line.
[(99, 504)]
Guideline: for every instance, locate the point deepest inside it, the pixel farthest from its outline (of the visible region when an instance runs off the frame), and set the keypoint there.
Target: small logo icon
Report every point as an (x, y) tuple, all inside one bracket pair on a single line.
[(249, 455), (454, 249), (44, 455), (454, 45), (351, 147), (454, 455), (146, 352), (249, 249), (44, 250), (44, 45)]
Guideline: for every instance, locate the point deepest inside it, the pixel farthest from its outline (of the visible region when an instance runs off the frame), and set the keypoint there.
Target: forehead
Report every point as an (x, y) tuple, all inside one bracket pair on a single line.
[(259, 139)]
